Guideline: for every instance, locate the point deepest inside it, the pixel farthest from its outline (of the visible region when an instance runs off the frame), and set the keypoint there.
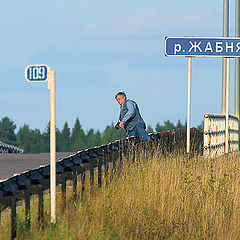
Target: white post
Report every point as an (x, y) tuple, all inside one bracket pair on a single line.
[(189, 104), (51, 86), (224, 60), (227, 106)]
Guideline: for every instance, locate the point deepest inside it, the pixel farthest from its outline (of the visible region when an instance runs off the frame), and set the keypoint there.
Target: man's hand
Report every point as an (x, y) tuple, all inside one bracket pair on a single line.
[(121, 124)]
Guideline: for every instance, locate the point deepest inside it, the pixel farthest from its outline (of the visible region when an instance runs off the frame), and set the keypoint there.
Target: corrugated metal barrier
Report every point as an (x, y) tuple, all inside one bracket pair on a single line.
[(214, 134), (7, 148)]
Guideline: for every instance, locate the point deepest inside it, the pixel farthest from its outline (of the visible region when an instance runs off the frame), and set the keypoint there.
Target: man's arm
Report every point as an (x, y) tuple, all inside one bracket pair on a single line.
[(131, 111)]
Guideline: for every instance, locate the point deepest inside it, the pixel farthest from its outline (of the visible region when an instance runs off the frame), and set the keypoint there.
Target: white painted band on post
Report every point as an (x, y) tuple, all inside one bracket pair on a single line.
[(189, 104)]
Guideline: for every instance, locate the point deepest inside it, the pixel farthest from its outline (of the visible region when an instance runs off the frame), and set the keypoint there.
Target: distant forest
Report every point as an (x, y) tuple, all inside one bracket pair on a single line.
[(68, 140)]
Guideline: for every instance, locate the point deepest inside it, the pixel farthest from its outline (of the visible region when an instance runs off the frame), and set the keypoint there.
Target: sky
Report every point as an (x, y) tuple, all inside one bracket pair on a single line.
[(98, 48)]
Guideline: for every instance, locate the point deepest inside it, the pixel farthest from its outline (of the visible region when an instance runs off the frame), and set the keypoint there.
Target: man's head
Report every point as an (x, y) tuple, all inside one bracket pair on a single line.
[(120, 97)]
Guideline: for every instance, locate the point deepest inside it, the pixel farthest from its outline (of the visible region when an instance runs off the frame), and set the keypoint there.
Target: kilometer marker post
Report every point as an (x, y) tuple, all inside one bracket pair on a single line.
[(51, 87), (42, 73)]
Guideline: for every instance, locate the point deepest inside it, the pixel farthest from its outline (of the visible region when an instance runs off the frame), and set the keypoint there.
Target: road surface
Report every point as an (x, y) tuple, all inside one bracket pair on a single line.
[(11, 164)]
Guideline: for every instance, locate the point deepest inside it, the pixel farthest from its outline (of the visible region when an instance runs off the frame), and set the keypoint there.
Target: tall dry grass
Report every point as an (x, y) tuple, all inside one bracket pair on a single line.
[(159, 197)]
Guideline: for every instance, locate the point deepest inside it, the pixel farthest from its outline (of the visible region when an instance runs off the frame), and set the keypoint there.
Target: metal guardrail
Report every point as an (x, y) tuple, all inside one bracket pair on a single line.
[(7, 148), (214, 134), (34, 182)]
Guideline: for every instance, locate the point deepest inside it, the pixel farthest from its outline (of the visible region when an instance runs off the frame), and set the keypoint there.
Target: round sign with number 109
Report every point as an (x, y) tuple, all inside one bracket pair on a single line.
[(36, 73)]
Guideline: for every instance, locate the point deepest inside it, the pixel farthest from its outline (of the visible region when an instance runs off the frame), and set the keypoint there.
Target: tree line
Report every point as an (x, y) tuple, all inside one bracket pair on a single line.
[(68, 140)]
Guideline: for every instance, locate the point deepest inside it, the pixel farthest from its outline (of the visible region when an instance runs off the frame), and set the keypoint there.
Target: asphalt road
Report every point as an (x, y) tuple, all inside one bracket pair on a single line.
[(11, 164)]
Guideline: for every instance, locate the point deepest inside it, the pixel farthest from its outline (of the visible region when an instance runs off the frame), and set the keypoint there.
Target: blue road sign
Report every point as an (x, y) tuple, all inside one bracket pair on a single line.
[(205, 47), (36, 73)]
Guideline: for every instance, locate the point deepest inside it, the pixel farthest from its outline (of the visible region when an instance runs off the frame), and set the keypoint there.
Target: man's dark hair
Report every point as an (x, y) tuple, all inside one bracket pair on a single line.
[(121, 94)]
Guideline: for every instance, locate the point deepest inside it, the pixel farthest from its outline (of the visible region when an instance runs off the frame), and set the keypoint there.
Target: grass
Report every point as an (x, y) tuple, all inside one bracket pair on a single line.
[(162, 197)]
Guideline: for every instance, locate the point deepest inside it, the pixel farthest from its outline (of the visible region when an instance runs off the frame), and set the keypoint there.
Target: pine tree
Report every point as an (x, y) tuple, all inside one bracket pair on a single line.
[(45, 141), (179, 125), (7, 128), (36, 141), (97, 138), (166, 127), (93, 139), (77, 137), (65, 139), (58, 140), (24, 138)]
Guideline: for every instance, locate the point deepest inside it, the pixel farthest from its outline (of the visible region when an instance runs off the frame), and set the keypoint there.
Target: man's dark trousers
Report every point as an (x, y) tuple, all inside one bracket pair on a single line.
[(139, 130)]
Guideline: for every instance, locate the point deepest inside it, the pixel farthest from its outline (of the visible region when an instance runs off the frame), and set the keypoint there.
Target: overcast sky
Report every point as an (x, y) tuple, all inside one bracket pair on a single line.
[(98, 48)]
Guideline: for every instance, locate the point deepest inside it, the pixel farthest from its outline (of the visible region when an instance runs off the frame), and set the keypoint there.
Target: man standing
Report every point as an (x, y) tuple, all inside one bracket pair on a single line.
[(130, 117)]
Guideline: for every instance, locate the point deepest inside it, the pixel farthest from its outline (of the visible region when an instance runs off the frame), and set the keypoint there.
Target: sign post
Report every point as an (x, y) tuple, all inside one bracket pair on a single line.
[(51, 87), (227, 106), (42, 73), (204, 47), (224, 60), (189, 104)]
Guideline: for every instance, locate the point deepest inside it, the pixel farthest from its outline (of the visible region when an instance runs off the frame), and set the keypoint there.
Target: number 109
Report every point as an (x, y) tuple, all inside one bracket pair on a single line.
[(37, 73)]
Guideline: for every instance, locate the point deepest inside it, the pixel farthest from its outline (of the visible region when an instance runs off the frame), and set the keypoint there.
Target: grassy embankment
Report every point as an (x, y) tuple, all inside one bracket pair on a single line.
[(167, 197)]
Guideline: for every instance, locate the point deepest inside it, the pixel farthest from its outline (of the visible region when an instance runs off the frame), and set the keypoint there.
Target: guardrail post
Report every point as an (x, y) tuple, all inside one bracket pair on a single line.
[(113, 160), (40, 205), (165, 143), (119, 157), (63, 179), (110, 157), (75, 183), (13, 218), (133, 153), (91, 175), (99, 172), (120, 151), (83, 178), (130, 150), (106, 169), (150, 148), (27, 210)]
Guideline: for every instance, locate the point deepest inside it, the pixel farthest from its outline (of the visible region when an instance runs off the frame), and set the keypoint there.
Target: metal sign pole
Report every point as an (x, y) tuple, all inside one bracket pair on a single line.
[(237, 65), (51, 87), (189, 104), (225, 34), (227, 106)]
